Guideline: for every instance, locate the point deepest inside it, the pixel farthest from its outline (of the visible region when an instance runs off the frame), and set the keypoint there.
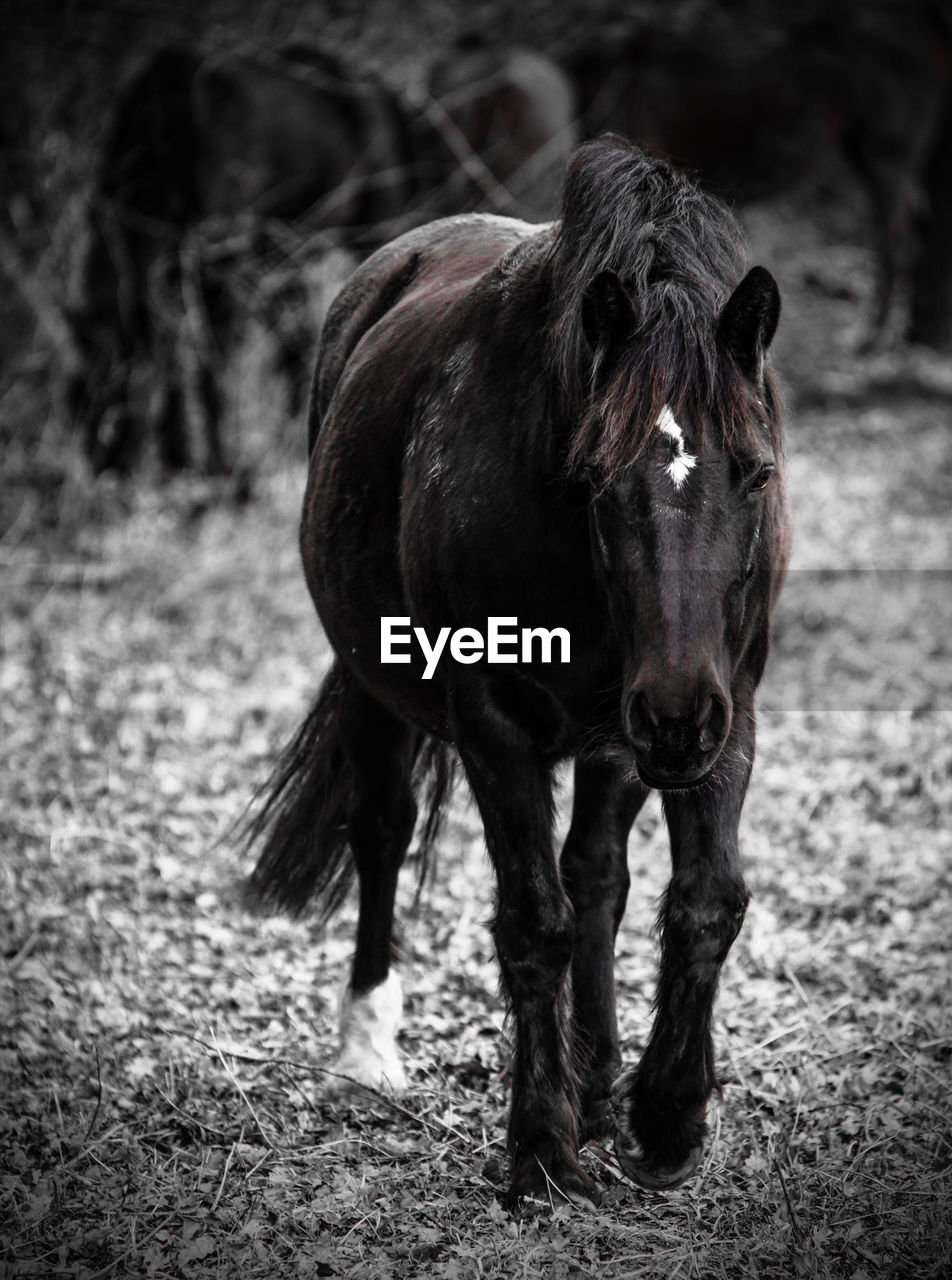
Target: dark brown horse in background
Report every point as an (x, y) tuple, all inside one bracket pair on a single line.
[(208, 155), (279, 136), (754, 110), (499, 127)]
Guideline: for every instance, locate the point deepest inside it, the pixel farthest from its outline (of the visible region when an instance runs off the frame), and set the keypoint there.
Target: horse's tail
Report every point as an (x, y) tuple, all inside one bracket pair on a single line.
[(302, 820)]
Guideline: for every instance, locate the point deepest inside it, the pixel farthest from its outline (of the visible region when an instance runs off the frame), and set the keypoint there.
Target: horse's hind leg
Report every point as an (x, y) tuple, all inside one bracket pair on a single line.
[(595, 874), (930, 319), (380, 750), (889, 179), (288, 315), (218, 335), (171, 418)]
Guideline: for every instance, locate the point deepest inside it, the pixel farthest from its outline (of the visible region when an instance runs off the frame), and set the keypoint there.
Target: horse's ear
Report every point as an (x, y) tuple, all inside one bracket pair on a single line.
[(749, 320), (608, 314)]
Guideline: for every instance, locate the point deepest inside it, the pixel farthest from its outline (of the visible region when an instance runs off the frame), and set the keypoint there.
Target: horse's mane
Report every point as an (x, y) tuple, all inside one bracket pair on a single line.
[(679, 254)]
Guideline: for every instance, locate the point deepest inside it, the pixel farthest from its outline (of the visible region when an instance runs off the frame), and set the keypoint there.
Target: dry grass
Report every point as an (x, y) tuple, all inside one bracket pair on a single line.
[(161, 1053)]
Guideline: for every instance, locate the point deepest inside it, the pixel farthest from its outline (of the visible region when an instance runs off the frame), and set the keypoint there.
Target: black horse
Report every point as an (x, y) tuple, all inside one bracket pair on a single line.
[(279, 136), (755, 109), (572, 428)]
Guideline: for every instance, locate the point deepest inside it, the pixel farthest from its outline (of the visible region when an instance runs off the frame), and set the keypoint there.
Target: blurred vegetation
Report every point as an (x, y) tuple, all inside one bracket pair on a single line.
[(62, 61)]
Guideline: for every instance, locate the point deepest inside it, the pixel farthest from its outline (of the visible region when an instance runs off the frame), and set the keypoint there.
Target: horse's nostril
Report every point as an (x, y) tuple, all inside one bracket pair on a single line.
[(712, 721), (644, 708), (640, 721)]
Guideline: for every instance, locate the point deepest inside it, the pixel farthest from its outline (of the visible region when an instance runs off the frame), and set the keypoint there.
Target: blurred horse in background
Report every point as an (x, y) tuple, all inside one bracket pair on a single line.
[(275, 135), (755, 110), (215, 165), (497, 130)]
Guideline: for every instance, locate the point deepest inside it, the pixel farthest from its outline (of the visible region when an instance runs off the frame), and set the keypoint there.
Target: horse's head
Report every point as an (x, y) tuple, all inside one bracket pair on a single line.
[(683, 533)]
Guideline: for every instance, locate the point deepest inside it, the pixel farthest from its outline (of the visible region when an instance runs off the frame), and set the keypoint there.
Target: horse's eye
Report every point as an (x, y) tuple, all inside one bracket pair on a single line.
[(758, 481)]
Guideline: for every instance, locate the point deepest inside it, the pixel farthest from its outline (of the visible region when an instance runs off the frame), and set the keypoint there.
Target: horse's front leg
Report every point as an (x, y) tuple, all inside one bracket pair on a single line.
[(595, 872), (533, 931), (661, 1103)]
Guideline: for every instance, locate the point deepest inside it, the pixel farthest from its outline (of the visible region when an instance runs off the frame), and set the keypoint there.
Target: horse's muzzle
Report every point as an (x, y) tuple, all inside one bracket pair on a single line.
[(674, 751), (672, 780)]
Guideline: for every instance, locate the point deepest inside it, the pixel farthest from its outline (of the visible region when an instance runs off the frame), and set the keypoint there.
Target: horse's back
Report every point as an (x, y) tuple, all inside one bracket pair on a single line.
[(391, 351), (434, 264)]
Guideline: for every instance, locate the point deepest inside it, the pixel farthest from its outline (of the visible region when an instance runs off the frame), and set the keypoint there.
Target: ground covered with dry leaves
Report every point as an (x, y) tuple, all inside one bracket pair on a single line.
[(161, 1051)]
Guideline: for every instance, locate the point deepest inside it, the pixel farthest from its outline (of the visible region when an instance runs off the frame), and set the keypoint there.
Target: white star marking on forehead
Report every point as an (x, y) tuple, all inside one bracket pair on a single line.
[(682, 463)]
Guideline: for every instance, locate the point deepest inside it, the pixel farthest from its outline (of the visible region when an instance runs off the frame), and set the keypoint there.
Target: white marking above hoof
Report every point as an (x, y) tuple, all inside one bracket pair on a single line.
[(368, 1056)]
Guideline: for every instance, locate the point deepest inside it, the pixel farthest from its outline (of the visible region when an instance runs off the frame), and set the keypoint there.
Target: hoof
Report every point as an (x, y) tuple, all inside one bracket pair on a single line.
[(652, 1174), (353, 1073), (532, 1188), (368, 1057), (645, 1169)]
